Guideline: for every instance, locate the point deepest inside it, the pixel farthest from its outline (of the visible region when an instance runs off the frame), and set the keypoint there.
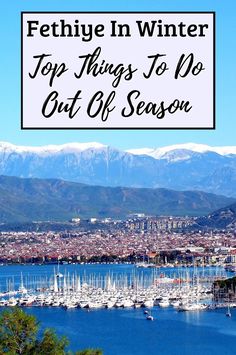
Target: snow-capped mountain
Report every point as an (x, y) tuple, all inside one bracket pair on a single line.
[(50, 149), (162, 153), (180, 167)]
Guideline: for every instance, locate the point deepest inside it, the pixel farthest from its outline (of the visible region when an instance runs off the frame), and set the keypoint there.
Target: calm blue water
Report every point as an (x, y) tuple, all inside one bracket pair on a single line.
[(127, 332)]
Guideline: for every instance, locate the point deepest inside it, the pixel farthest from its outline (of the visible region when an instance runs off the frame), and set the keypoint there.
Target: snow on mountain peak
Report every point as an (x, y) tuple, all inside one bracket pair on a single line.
[(160, 153), (50, 149), (171, 153)]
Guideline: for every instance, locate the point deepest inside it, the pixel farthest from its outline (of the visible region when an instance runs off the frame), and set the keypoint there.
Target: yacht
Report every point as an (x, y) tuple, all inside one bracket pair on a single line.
[(110, 304), (192, 307), (70, 305), (95, 304), (27, 300), (176, 303), (164, 302), (149, 317), (3, 302), (12, 302), (83, 303), (149, 303), (128, 303)]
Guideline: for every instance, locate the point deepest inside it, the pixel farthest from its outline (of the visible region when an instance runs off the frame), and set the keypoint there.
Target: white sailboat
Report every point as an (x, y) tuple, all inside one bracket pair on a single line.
[(192, 305), (22, 288)]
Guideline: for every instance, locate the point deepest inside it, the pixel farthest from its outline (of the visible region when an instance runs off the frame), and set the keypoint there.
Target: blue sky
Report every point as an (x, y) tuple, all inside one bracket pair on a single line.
[(226, 75)]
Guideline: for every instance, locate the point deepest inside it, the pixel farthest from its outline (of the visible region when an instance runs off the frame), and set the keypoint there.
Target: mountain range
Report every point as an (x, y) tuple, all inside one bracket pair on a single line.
[(179, 167), (32, 199)]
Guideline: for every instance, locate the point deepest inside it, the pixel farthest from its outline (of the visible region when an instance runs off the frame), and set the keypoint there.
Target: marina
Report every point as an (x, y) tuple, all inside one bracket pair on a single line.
[(106, 311), (185, 290)]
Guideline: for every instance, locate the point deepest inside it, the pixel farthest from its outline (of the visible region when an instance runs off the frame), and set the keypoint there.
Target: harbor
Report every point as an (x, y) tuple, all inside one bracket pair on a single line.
[(124, 330), (77, 287)]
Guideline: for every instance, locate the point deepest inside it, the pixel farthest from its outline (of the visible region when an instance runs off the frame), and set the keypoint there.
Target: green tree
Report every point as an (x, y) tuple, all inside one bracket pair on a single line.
[(89, 352), (19, 335), (51, 344), (18, 332)]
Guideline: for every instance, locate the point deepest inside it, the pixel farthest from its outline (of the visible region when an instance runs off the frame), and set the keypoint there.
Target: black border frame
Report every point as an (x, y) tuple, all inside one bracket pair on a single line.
[(124, 128)]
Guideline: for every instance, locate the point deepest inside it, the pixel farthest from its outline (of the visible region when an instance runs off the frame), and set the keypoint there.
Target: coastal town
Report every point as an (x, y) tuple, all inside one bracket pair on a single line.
[(168, 241)]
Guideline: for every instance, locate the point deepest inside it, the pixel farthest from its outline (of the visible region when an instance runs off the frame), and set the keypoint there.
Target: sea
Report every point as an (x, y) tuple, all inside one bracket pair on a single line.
[(126, 331)]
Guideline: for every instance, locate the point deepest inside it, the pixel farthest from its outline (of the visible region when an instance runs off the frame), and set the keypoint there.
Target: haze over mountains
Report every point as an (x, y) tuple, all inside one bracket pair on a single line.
[(180, 167)]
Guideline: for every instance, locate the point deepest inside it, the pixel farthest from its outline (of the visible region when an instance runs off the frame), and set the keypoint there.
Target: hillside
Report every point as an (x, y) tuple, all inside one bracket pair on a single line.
[(23, 200), (221, 218)]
